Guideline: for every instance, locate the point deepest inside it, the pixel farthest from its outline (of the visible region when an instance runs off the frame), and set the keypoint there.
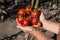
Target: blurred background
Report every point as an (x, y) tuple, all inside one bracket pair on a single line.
[(8, 14)]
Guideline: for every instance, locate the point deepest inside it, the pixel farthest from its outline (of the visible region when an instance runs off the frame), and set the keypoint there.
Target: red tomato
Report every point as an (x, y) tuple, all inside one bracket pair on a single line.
[(21, 20), (28, 12), (34, 21), (25, 23), (28, 8), (21, 12), (28, 18), (35, 13)]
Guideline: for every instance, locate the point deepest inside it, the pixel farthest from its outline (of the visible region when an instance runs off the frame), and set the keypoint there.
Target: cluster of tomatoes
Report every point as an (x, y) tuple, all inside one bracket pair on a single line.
[(29, 17)]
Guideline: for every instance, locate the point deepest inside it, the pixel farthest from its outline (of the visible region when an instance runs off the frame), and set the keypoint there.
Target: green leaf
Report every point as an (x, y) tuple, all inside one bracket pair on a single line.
[(4, 11), (36, 5), (16, 2), (32, 3), (0, 10), (2, 17)]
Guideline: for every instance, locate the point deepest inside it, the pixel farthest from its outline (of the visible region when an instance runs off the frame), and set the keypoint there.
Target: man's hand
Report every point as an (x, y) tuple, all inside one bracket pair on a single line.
[(37, 34), (30, 29), (41, 19), (27, 29)]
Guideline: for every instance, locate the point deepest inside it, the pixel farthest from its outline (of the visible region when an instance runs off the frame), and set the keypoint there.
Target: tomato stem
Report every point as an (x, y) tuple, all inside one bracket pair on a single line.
[(32, 2), (36, 5)]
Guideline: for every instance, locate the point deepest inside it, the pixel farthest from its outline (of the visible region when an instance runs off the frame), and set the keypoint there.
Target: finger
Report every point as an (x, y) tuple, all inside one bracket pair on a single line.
[(25, 28), (35, 25), (41, 16), (42, 12), (20, 27)]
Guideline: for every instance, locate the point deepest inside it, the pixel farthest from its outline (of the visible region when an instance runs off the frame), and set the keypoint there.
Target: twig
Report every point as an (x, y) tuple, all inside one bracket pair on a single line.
[(36, 5), (31, 38), (32, 3), (11, 7), (26, 36)]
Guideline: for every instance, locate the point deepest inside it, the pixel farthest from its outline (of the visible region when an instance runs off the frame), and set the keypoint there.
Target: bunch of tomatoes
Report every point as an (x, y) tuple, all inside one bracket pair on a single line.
[(29, 17)]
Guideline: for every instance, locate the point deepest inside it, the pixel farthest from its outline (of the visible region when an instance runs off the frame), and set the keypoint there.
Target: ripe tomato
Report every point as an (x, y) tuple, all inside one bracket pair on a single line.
[(21, 11), (25, 23), (34, 21), (37, 25), (28, 8), (28, 18), (20, 20), (28, 12), (35, 13)]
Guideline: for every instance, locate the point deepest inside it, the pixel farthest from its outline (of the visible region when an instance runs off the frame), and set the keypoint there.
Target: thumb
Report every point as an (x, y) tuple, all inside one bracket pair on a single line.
[(41, 18)]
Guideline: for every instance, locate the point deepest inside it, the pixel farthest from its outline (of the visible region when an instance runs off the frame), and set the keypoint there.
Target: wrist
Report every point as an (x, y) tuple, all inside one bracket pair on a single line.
[(35, 33)]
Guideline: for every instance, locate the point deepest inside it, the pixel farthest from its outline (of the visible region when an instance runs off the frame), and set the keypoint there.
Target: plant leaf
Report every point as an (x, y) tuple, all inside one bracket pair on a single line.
[(32, 2), (4, 11), (16, 2), (2, 17), (36, 4)]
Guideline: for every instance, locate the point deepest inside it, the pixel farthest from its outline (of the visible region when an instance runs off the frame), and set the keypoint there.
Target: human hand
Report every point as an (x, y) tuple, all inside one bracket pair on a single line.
[(27, 29), (42, 17)]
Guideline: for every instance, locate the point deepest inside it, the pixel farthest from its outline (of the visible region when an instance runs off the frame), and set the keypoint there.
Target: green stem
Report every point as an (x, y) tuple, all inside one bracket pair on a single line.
[(16, 2), (32, 3), (36, 5)]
